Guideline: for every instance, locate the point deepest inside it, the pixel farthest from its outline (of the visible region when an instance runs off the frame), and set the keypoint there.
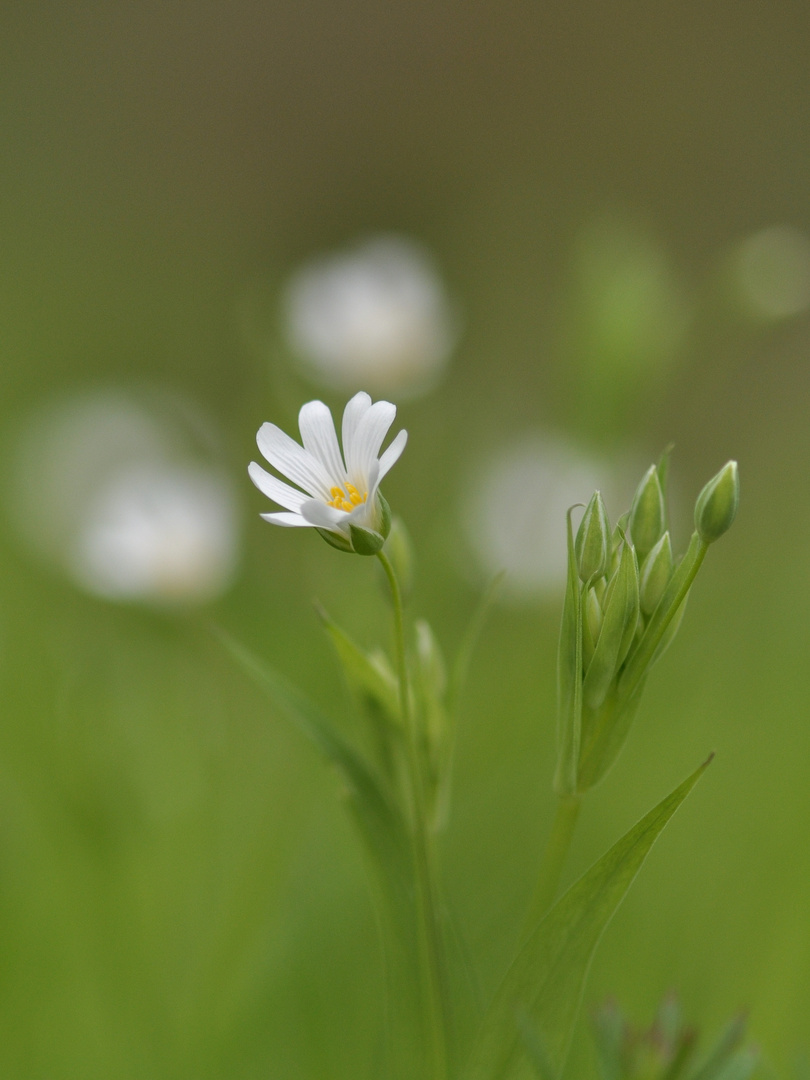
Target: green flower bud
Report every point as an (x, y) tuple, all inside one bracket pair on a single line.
[(591, 626), (592, 540), (716, 506), (621, 610), (648, 513), (655, 574)]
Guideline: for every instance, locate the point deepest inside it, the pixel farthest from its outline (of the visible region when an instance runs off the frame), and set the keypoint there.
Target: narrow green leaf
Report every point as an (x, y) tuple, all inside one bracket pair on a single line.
[(535, 1050), (363, 671), (461, 666), (569, 678), (546, 980), (377, 817)]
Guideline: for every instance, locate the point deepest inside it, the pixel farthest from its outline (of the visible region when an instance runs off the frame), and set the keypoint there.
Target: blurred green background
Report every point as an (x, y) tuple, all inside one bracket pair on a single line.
[(180, 895)]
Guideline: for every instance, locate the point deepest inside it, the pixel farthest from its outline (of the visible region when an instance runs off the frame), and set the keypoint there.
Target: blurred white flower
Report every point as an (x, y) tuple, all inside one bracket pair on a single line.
[(377, 315), (514, 514), (116, 494), (335, 495), (772, 272), (160, 532)]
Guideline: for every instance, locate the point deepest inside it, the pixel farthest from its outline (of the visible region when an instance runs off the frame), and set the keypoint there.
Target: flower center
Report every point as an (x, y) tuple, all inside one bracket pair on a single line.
[(346, 497)]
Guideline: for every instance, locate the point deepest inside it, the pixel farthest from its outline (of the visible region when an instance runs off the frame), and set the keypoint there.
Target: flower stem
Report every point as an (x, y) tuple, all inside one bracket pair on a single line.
[(551, 868), (427, 893)]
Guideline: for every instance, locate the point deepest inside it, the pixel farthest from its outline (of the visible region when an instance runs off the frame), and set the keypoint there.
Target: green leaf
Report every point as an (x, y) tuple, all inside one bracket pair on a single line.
[(461, 666), (377, 817), (546, 979), (569, 679), (535, 1050), (365, 673)]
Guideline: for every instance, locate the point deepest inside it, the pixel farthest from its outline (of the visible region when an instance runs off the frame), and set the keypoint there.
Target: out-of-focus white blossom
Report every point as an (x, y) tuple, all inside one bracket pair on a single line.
[(376, 316), (514, 514), (772, 271), (116, 494), (158, 532)]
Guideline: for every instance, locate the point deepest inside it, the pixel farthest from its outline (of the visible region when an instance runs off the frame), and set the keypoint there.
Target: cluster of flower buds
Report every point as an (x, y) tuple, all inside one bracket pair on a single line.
[(625, 599)]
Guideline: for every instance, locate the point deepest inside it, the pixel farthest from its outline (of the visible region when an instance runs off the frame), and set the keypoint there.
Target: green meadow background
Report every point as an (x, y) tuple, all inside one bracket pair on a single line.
[(180, 894)]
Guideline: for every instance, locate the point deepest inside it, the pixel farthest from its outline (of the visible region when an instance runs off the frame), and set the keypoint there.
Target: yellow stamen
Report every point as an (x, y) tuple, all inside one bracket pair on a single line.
[(340, 502)]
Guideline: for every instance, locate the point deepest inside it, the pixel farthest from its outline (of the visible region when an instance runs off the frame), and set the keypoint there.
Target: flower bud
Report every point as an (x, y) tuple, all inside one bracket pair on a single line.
[(655, 574), (592, 539), (716, 506), (648, 513)]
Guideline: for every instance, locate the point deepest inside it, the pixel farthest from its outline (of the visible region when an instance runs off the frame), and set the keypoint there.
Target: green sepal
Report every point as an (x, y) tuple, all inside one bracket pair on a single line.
[(385, 516), (335, 540), (646, 649), (545, 981), (648, 513), (655, 574), (569, 678), (591, 627), (618, 628), (368, 673), (365, 541)]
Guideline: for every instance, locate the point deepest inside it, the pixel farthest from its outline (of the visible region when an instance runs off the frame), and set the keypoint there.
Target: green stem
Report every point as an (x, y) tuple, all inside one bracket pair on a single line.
[(559, 842), (436, 997)]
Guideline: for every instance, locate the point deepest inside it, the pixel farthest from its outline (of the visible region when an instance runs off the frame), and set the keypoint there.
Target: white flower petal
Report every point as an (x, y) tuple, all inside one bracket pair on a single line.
[(322, 516), (293, 460), (366, 514), (319, 438), (365, 448), (275, 489), (356, 409), (290, 520), (392, 454)]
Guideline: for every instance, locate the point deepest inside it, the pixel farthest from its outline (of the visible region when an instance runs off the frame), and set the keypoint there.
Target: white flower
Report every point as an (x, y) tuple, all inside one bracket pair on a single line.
[(339, 491), (514, 513), (122, 492), (157, 532), (376, 315)]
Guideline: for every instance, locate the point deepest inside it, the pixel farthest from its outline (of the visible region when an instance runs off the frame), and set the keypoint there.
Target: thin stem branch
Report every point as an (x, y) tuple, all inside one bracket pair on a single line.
[(436, 997), (551, 868)]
